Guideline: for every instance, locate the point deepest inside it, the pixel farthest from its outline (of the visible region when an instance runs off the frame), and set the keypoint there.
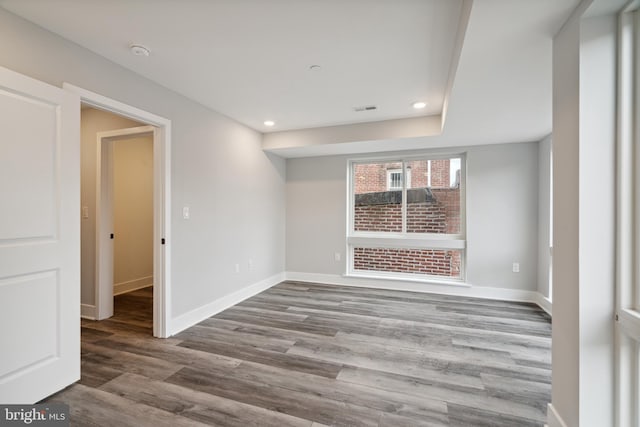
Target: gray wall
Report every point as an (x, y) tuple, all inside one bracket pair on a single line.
[(235, 190), (565, 351), (502, 215)]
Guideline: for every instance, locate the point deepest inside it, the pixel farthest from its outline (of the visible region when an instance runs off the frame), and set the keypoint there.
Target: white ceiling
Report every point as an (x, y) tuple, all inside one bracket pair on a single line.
[(250, 59)]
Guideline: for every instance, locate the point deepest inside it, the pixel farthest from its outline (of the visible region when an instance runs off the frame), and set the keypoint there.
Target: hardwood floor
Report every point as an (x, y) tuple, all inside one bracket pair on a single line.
[(304, 354)]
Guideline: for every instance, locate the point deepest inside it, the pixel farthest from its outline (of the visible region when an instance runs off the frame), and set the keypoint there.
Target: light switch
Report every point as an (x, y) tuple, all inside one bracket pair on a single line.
[(85, 212), (185, 212)]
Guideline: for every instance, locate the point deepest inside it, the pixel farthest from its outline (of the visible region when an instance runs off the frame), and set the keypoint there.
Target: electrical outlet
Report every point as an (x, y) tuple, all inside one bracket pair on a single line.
[(185, 212), (237, 268), (250, 265), (85, 212), (337, 256), (516, 267)]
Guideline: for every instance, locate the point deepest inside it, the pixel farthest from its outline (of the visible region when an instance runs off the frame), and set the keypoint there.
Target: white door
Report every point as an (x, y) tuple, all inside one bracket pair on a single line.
[(39, 238)]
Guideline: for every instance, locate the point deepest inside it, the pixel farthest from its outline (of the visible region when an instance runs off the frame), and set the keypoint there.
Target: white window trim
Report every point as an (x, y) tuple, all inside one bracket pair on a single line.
[(404, 240), (627, 325)]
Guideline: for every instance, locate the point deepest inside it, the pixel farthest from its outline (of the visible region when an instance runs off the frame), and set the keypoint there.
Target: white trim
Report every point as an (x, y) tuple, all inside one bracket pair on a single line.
[(406, 277), (103, 227), (162, 198), (197, 315), (424, 287), (627, 390), (409, 242), (553, 418), (132, 285), (544, 303), (88, 311)]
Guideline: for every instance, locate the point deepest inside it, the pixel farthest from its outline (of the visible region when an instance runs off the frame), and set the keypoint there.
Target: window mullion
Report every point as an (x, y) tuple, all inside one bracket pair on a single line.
[(404, 197)]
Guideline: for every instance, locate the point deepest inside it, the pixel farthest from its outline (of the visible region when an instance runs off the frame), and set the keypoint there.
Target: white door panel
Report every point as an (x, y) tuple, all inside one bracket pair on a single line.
[(39, 238)]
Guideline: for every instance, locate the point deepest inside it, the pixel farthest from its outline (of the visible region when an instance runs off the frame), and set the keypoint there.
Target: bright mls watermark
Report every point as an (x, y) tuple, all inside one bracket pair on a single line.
[(54, 414)]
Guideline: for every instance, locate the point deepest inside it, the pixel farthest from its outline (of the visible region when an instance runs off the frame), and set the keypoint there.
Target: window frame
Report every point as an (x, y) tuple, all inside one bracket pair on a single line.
[(627, 317), (405, 240)]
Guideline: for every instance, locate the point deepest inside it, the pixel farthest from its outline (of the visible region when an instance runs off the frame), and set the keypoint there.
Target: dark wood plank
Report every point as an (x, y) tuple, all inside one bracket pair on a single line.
[(204, 407), (309, 406)]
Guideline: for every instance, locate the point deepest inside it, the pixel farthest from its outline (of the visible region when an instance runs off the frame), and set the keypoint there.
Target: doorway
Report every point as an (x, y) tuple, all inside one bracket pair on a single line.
[(124, 217), (160, 129)]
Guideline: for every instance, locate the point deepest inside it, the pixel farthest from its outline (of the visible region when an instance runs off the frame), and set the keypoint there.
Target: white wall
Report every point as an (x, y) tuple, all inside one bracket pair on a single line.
[(92, 121), (235, 190), (544, 206), (132, 213), (502, 215), (598, 79), (584, 126)]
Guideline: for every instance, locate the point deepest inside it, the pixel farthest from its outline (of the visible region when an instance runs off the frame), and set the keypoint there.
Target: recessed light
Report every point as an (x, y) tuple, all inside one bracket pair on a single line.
[(419, 105), (269, 123), (139, 50)]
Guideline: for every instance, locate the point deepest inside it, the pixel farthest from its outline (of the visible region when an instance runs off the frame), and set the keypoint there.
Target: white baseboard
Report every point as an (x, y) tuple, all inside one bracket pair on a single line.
[(544, 303), (425, 287), (197, 315), (132, 285), (553, 419), (88, 311)]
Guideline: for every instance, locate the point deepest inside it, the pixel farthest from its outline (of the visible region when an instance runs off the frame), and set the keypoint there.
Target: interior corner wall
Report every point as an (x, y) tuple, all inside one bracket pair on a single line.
[(544, 215), (235, 191), (566, 138), (92, 121), (502, 214)]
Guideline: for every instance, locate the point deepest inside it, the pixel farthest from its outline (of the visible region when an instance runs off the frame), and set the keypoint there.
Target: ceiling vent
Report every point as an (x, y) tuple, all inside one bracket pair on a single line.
[(365, 108)]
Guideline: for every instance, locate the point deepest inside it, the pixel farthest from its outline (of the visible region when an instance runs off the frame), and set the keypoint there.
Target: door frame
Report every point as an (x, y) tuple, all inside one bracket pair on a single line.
[(104, 275), (162, 199)]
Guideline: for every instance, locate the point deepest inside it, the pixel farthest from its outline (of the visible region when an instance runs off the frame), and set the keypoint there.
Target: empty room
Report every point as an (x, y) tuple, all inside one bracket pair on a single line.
[(320, 213)]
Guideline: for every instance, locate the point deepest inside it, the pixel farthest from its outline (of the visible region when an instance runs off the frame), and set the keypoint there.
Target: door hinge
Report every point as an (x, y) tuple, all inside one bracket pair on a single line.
[(162, 241), (617, 318), (111, 236)]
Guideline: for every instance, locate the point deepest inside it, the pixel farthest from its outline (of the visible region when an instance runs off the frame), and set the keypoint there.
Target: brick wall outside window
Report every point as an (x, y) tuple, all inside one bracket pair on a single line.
[(440, 214), (433, 262)]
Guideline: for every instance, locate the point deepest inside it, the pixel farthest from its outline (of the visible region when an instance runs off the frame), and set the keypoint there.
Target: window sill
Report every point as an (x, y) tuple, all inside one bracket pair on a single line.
[(402, 278)]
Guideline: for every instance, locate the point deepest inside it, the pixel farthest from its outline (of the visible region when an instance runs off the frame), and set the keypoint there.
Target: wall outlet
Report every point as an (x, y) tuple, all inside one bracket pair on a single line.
[(185, 212), (250, 265), (516, 267), (85, 212), (237, 268), (337, 256)]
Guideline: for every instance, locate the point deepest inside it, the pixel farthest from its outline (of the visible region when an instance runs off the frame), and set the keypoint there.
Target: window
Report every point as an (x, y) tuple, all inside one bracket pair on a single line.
[(628, 279), (407, 228), (394, 179)]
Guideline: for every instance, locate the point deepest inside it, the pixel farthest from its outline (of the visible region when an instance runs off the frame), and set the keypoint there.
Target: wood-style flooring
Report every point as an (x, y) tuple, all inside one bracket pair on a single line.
[(304, 354)]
